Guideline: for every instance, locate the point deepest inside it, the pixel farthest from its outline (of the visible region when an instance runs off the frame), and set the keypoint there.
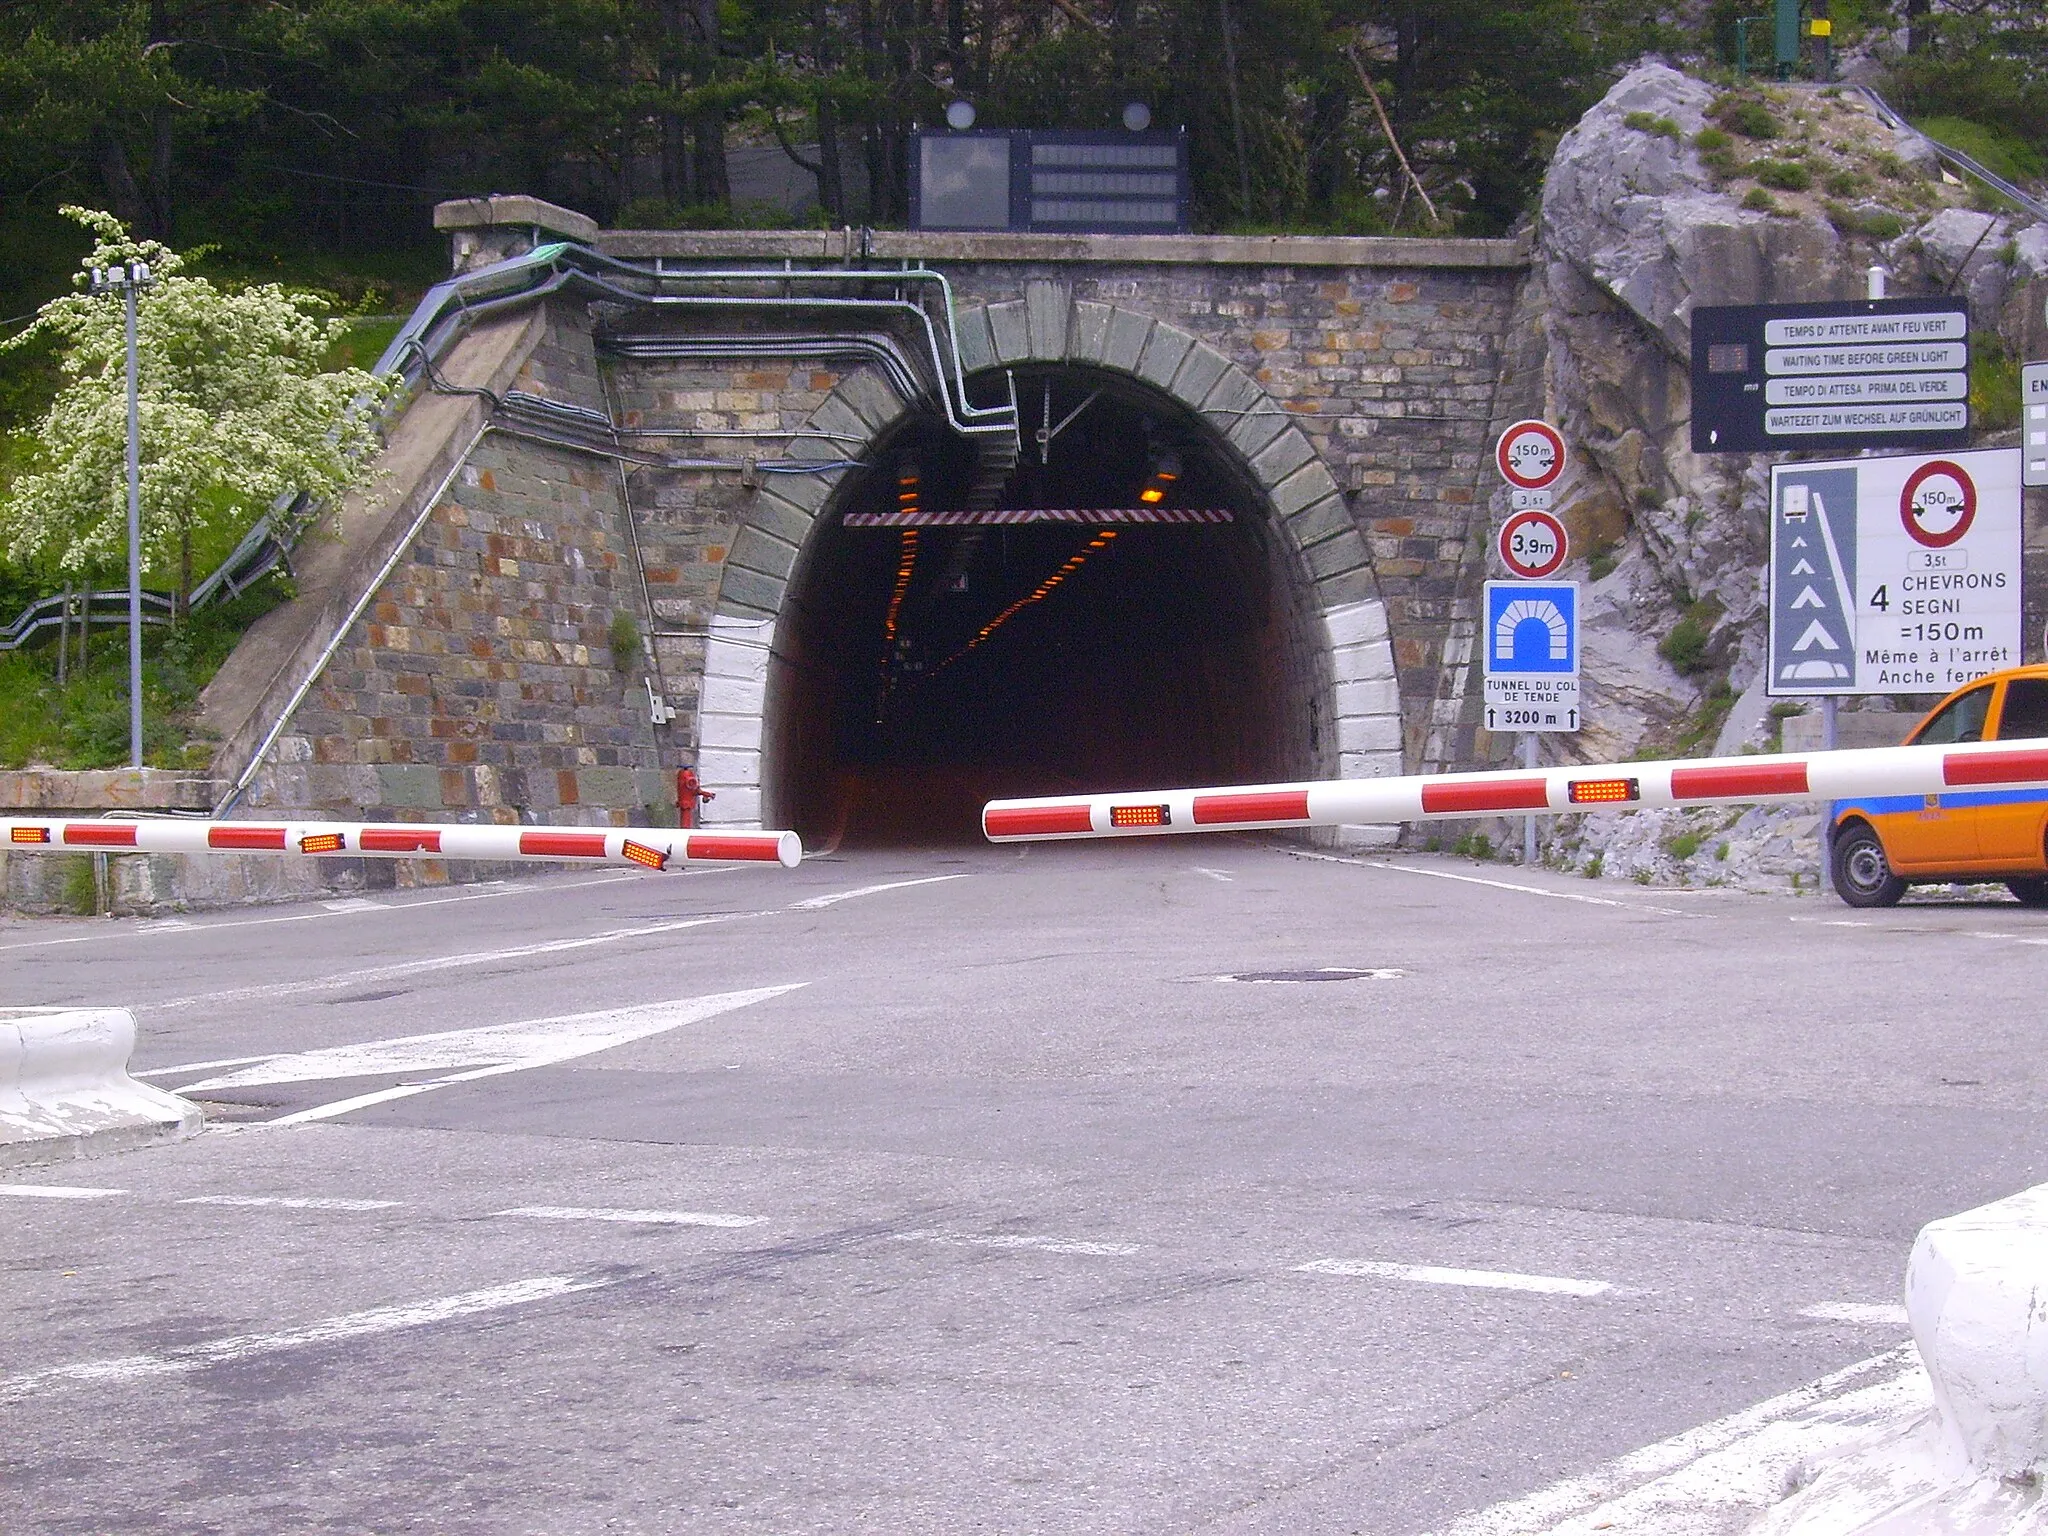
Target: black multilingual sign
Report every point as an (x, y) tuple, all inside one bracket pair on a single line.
[(1868, 373)]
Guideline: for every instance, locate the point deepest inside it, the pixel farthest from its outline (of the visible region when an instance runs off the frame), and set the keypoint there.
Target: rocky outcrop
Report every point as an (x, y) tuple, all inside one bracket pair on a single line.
[(1668, 195)]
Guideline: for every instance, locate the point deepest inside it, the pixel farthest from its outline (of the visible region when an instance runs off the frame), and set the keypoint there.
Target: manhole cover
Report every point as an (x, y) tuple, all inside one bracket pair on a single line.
[(1322, 973)]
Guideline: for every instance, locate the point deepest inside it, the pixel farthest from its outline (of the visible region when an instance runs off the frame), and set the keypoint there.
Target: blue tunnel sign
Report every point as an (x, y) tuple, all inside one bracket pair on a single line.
[(1531, 650)]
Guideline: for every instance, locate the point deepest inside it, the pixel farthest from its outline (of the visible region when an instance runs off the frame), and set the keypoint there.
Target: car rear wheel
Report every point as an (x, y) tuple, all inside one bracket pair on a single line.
[(1862, 874), (2031, 891)]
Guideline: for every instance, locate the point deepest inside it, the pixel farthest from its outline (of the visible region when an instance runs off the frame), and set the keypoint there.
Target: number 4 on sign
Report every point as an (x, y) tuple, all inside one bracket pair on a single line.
[(1881, 600)]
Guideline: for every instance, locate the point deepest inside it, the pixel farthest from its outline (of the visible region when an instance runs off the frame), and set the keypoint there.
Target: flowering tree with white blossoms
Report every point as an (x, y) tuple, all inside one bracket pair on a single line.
[(235, 411)]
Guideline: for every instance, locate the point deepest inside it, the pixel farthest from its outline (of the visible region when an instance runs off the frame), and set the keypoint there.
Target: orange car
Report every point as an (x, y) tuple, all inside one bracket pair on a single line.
[(1880, 844)]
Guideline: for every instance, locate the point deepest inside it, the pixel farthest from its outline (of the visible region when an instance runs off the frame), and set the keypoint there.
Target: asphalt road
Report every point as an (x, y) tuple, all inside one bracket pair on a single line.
[(965, 1192)]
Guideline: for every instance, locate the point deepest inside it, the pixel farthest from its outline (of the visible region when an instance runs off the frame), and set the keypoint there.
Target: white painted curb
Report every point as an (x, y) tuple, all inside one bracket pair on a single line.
[(65, 1090), (1977, 1297)]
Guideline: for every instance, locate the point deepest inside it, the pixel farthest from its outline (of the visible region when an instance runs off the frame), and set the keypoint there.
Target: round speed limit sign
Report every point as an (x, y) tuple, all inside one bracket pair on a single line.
[(1530, 455), (1532, 545)]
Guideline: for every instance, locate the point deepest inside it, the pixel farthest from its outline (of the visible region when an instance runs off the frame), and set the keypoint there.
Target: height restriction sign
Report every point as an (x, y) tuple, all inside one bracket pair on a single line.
[(1894, 575)]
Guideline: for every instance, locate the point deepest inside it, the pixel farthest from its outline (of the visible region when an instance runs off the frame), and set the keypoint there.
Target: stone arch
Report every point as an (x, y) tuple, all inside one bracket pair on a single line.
[(1048, 325)]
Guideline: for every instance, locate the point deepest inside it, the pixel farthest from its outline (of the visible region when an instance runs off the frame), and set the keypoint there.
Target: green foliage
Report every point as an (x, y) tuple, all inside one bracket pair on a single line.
[(1757, 200), (1601, 560), (2006, 153), (1683, 845), (79, 880), (1994, 383), (1710, 140), (1594, 865), (1474, 845), (1986, 65), (1650, 122), (624, 638), (235, 411), (1685, 647), (1846, 183), (1746, 115), (1785, 175)]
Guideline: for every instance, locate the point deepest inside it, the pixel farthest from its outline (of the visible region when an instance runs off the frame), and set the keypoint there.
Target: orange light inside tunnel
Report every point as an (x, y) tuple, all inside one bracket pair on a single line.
[(1140, 816), (323, 842), (1151, 494), (1603, 791)]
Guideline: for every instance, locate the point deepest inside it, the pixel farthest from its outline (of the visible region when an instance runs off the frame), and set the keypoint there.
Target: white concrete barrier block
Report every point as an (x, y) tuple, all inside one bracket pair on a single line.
[(1977, 1296), (1356, 623), (65, 1089), (717, 730)]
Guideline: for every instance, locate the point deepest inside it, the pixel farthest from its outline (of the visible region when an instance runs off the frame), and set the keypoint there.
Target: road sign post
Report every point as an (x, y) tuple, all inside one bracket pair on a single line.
[(1893, 575), (1531, 654)]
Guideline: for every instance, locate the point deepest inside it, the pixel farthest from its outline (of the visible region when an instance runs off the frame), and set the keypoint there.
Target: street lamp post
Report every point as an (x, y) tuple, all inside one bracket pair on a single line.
[(129, 278)]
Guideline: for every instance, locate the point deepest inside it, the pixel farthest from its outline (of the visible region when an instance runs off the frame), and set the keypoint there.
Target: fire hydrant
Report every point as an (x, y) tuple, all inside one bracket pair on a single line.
[(688, 793)]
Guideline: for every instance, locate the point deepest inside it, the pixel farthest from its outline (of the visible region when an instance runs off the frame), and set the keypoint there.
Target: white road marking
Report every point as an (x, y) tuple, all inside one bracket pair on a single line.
[(1019, 1240), (200, 1066), (59, 1191), (1718, 1476), (814, 903), (483, 891), (353, 904), (353, 1325), (1335, 972), (1214, 874), (1877, 1314), (294, 1202), (339, 980), (1479, 1279), (495, 1049), (1499, 885), (651, 1218)]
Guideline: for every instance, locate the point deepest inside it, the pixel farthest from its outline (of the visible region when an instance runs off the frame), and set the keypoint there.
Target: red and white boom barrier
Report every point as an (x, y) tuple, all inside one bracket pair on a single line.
[(1431, 796), (647, 847)]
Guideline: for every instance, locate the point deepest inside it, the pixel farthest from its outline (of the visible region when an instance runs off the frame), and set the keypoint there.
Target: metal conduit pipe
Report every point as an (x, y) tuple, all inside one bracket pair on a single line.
[(878, 349)]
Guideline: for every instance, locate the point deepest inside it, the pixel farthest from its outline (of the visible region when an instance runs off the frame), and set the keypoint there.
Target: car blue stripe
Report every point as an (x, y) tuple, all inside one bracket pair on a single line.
[(1889, 805)]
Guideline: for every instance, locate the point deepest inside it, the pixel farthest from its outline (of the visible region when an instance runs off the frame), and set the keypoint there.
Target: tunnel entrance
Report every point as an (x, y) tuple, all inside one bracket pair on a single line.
[(1051, 644)]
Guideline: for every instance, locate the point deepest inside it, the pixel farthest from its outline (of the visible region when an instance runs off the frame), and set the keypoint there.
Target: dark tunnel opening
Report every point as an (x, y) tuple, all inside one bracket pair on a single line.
[(926, 669)]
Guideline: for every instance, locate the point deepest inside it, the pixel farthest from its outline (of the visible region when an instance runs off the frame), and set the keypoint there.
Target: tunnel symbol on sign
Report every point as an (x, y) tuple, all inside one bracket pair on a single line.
[(1532, 623)]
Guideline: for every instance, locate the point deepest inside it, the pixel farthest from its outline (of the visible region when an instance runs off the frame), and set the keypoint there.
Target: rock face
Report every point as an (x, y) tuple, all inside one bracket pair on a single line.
[(1656, 203)]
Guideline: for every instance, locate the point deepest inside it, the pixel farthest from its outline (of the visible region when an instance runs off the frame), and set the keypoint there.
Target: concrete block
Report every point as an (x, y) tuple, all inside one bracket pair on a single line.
[(1010, 328), (733, 696), (751, 589), (870, 398), (1046, 308), (1165, 350), (1198, 372), (1346, 552), (1308, 485), (755, 550), (1283, 456), (1127, 332), (1088, 331), (1251, 432), (728, 731), (838, 416), (1320, 520), (1368, 695), (738, 648), (1369, 765), (1353, 586), (806, 493), (1368, 734), (728, 768), (65, 1091), (1356, 623), (409, 786), (977, 346), (738, 806)]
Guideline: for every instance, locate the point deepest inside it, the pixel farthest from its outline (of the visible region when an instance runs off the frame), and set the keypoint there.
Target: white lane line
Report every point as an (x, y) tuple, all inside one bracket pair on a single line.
[(483, 892), (1719, 1476), (1014, 1240), (501, 1048), (1499, 885), (1214, 874), (1875, 1314), (59, 1191), (1478, 1279), (340, 980), (649, 1218), (352, 1325), (202, 1066), (353, 904), (294, 1202), (817, 902)]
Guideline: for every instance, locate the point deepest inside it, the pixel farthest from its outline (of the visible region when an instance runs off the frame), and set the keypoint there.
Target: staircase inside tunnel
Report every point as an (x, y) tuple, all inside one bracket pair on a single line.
[(927, 668)]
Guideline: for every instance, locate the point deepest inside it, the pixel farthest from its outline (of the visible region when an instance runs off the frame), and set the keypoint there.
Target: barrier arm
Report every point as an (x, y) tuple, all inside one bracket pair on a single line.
[(1839, 775), (644, 847)]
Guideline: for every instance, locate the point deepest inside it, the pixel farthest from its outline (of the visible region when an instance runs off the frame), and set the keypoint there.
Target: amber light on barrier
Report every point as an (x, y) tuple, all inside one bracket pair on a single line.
[(1140, 816), (322, 842), (1604, 791), (640, 853), (29, 835)]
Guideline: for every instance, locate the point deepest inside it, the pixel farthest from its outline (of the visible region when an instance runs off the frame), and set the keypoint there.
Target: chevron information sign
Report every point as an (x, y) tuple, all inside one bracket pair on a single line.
[(1894, 575)]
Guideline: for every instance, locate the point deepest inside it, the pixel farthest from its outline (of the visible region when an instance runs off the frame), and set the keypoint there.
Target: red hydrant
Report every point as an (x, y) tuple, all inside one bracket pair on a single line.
[(688, 793)]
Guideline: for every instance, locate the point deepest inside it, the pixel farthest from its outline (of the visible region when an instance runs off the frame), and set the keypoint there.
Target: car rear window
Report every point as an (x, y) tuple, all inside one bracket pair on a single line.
[(2026, 708), (1961, 721)]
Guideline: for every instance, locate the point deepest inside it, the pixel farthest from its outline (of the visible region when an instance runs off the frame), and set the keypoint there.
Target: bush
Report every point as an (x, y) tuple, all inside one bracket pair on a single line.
[(1747, 116), (1994, 384), (1757, 200), (1711, 139), (1650, 122), (625, 641), (1683, 845), (1785, 175), (1872, 223), (1686, 646), (1846, 183)]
